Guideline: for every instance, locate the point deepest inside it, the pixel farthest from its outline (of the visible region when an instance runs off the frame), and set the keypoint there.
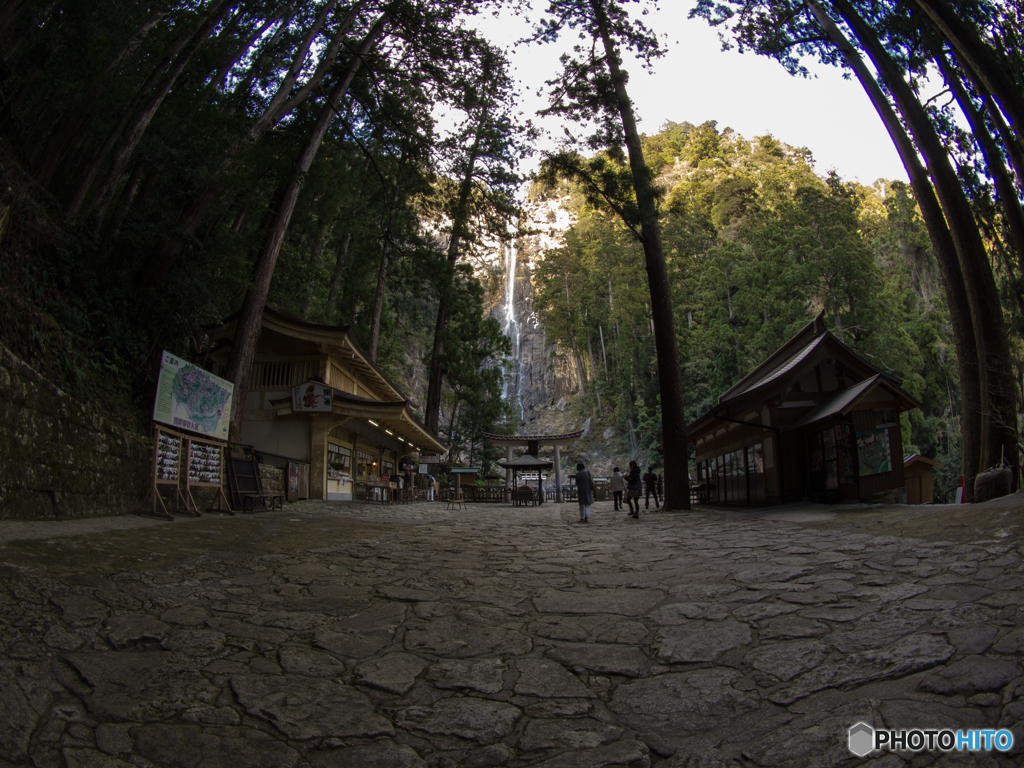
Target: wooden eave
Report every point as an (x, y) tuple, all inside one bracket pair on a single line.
[(336, 342), (395, 417), (810, 346)]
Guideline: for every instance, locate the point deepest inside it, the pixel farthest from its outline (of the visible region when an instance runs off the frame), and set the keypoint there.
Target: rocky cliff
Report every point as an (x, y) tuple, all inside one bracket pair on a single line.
[(541, 379)]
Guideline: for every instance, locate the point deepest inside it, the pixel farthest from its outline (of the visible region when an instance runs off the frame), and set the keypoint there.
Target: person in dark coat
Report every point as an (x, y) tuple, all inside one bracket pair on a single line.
[(651, 486), (584, 491), (633, 486)]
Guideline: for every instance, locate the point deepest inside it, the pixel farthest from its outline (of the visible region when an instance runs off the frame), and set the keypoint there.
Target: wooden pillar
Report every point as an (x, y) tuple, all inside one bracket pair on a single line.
[(558, 473), (508, 475), (318, 430)]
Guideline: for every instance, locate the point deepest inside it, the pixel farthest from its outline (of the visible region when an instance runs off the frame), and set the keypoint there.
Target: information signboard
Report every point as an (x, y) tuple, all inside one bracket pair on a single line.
[(188, 397)]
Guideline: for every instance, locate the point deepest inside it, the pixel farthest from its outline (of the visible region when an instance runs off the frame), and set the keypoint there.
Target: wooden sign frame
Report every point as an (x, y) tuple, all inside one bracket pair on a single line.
[(168, 448), (205, 463)]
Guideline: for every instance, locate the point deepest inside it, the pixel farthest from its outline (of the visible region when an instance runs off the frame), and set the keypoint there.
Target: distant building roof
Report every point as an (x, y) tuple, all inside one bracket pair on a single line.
[(917, 458), (568, 437), (842, 403)]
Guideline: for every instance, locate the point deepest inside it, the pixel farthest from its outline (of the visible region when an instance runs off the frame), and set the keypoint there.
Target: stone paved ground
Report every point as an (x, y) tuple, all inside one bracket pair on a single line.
[(347, 636)]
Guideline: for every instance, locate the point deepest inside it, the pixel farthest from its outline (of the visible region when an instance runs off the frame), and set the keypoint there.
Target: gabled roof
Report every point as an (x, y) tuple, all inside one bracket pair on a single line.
[(808, 342), (337, 337), (568, 437), (918, 458), (784, 359), (804, 344), (845, 401), (526, 461)]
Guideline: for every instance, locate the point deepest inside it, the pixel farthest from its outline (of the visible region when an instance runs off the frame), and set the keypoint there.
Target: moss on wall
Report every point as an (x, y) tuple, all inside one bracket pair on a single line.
[(58, 458)]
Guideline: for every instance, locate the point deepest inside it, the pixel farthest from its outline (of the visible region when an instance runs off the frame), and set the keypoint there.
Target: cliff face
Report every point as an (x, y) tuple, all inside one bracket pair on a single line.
[(542, 381)]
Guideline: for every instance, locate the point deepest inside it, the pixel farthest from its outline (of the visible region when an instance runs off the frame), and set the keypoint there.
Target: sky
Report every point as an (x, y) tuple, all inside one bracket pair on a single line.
[(696, 81)]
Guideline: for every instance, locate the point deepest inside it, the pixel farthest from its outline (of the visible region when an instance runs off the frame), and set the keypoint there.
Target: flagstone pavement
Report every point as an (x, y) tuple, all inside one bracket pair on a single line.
[(352, 636)]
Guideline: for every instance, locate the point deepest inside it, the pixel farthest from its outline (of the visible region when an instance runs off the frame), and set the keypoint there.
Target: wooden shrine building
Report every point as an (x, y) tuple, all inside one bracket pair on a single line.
[(815, 420), (314, 396), (533, 444)]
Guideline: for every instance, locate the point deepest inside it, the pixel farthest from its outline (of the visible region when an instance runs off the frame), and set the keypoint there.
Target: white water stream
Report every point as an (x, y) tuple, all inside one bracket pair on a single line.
[(510, 327)]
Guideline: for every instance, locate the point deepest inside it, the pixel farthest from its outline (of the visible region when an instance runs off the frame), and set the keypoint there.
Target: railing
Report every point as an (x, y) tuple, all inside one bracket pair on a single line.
[(284, 374), (475, 493)]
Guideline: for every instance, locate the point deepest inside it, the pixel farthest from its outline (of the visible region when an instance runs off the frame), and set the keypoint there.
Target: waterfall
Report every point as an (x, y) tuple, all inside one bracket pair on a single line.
[(510, 327)]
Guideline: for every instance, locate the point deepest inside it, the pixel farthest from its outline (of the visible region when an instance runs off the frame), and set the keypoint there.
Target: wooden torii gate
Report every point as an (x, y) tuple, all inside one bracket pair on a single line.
[(533, 444)]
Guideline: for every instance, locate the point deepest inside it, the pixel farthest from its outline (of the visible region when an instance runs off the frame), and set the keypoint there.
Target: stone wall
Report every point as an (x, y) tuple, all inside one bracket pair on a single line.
[(58, 459)]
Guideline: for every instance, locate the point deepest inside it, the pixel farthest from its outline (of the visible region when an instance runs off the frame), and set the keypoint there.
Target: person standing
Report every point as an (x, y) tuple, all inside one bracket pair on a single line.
[(651, 487), (618, 485), (431, 482), (584, 491), (633, 484)]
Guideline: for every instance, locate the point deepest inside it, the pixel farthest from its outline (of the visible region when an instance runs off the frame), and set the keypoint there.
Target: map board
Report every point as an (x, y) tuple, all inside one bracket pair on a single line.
[(187, 397)]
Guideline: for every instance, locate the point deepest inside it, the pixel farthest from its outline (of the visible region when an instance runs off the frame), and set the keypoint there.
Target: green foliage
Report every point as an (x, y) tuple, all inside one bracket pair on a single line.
[(170, 250), (757, 244)]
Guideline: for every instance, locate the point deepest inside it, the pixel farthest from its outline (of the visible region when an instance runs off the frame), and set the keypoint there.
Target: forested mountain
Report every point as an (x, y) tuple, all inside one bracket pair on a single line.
[(757, 243)]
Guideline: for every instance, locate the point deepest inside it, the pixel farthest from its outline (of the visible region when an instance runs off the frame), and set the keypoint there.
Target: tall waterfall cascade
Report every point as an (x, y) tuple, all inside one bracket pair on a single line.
[(540, 381), (510, 327)]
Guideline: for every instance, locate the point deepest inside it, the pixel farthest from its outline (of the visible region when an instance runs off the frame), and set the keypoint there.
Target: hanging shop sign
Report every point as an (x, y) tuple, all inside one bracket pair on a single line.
[(312, 397)]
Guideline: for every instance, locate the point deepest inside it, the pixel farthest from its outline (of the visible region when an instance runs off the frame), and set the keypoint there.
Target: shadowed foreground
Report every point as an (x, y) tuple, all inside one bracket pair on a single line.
[(349, 635)]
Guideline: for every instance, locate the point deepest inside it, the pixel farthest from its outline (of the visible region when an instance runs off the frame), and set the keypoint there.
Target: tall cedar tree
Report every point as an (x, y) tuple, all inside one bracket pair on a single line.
[(479, 160), (592, 89)]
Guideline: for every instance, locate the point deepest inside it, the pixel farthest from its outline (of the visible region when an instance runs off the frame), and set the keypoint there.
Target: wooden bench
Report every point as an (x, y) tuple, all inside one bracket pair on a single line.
[(524, 495), (246, 485)]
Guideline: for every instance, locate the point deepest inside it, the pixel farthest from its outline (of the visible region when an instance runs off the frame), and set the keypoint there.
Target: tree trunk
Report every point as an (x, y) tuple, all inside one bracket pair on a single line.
[(131, 189), (942, 243), (135, 133), (140, 112), (998, 397), (339, 266), (378, 300), (251, 316), (314, 257), (1013, 215), (670, 381), (72, 124), (232, 61), (244, 86), (281, 104), (984, 64), (432, 413)]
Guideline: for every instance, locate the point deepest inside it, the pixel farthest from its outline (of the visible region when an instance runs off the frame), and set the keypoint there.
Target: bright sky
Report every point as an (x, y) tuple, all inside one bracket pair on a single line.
[(696, 81)]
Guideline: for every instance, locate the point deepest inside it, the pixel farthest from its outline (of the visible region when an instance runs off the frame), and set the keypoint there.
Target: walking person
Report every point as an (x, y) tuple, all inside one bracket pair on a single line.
[(431, 482), (584, 491), (618, 485), (633, 485), (651, 487)]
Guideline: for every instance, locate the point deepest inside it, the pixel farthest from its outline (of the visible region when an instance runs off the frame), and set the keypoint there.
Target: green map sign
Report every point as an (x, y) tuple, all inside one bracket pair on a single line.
[(187, 397)]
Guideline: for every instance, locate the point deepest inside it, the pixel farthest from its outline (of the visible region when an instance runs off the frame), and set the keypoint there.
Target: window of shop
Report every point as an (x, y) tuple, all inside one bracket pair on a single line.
[(339, 457), (755, 473), (365, 466), (885, 417), (736, 477)]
